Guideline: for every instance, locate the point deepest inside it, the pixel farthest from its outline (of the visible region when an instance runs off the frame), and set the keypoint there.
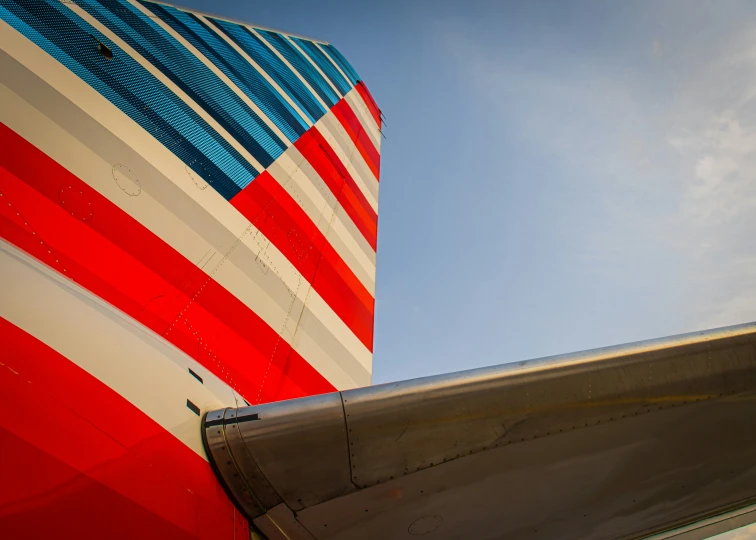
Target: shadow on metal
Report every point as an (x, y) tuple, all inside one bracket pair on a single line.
[(620, 442)]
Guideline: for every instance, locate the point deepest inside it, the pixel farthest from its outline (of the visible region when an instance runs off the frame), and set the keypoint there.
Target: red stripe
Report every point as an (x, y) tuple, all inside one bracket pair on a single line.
[(280, 218), (105, 250), (367, 97), (330, 161), (313, 146), (343, 111), (80, 461)]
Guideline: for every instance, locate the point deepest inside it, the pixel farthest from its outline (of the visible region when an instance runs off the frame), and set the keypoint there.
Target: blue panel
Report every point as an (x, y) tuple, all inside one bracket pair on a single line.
[(234, 66), (325, 65), (131, 88), (273, 66), (302, 65), (188, 73), (345, 66)]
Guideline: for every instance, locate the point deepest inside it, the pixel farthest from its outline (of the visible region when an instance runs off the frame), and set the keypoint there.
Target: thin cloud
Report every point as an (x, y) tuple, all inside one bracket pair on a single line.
[(678, 179), (716, 141), (657, 49)]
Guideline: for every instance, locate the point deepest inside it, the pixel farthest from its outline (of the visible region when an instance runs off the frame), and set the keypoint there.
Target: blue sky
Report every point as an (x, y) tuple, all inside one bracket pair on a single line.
[(556, 176)]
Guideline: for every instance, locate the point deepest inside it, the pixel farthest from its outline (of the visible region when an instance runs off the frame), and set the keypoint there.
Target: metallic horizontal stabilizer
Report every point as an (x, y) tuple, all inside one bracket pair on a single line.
[(620, 442)]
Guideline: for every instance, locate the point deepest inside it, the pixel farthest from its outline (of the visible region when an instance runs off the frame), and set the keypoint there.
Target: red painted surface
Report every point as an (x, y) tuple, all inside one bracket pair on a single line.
[(313, 146), (80, 461), (343, 111), (108, 252), (280, 218), (367, 97)]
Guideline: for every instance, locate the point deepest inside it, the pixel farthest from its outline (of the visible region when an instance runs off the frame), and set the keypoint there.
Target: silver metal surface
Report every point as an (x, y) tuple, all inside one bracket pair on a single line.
[(237, 470), (279, 523), (621, 442), (277, 462)]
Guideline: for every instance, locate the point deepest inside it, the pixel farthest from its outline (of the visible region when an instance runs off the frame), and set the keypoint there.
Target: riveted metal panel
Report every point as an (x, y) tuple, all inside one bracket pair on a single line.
[(400, 428), (625, 479), (620, 442), (299, 448)]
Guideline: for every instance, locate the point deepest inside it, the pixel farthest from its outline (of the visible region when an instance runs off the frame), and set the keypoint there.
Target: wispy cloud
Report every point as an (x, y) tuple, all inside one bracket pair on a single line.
[(670, 162), (657, 49), (716, 139)]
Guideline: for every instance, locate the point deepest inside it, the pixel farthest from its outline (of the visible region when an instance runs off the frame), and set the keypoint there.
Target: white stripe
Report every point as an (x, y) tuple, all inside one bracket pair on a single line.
[(139, 365), (355, 101), (317, 201), (338, 238), (267, 294), (343, 219), (334, 64), (218, 73), (317, 305), (312, 62), (351, 234), (222, 35), (344, 228), (168, 83), (168, 170), (183, 236), (338, 146), (304, 341), (286, 165), (288, 65), (349, 148), (327, 317)]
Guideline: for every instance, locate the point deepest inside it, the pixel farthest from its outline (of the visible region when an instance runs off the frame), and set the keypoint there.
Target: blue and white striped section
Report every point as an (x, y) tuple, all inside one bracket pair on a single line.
[(306, 69), (324, 65), (226, 98), (234, 66), (340, 61), (274, 65), (195, 79)]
